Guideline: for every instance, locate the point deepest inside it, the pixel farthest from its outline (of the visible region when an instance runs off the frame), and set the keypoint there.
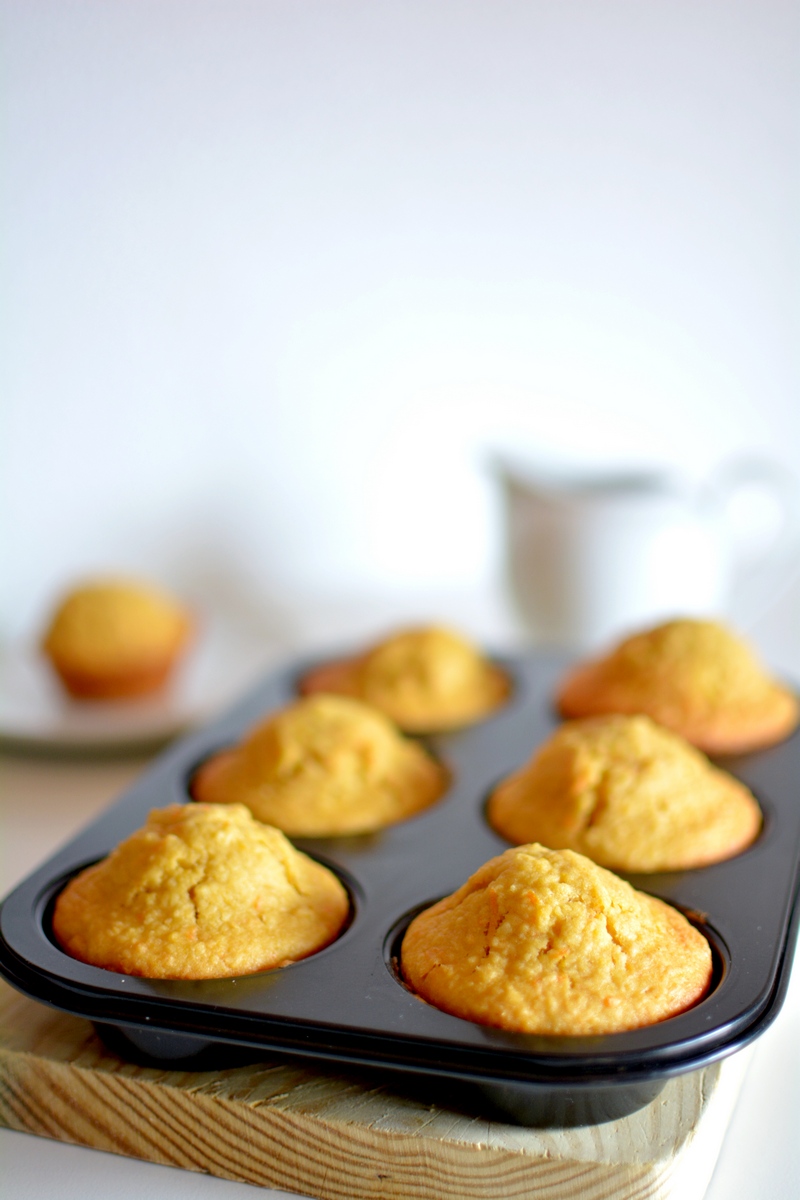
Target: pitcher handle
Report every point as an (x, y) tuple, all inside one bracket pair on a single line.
[(759, 578)]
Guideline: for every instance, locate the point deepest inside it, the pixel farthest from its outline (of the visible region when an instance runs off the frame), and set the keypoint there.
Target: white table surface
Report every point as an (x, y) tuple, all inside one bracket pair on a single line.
[(43, 801)]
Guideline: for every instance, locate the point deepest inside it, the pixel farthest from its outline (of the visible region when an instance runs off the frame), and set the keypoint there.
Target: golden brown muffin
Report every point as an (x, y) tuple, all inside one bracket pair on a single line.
[(323, 767), (427, 680), (203, 891), (696, 678), (546, 942), (116, 638), (628, 794)]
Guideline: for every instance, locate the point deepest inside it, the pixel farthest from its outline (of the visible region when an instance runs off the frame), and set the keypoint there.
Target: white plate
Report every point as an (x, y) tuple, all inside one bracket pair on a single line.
[(35, 711)]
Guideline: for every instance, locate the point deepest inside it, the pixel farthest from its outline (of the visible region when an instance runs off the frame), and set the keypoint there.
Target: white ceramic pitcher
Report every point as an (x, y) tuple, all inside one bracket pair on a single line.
[(590, 557)]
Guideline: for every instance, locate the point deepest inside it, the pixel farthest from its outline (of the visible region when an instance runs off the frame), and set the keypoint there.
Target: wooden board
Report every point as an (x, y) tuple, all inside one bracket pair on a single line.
[(345, 1138)]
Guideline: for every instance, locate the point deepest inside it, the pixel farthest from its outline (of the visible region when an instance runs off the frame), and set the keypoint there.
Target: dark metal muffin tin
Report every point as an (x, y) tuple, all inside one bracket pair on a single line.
[(347, 1006)]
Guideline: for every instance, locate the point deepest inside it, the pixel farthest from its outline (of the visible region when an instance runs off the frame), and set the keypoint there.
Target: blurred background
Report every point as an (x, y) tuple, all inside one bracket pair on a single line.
[(282, 277)]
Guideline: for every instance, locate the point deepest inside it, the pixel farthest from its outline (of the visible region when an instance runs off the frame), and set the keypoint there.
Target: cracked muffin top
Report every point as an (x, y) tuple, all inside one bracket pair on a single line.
[(627, 793), (323, 767), (115, 638), (696, 678), (426, 679), (201, 892), (547, 942)]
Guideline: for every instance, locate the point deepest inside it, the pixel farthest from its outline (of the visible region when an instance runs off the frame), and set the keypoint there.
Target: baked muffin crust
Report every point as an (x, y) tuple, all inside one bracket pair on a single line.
[(696, 678), (426, 679), (546, 942), (325, 766), (200, 892), (627, 793), (114, 638)]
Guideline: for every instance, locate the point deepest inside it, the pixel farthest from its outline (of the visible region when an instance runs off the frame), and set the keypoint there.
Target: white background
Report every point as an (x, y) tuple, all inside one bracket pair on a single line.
[(279, 273)]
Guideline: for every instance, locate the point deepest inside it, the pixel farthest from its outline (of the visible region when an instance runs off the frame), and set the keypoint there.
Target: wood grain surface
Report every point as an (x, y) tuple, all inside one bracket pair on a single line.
[(345, 1138)]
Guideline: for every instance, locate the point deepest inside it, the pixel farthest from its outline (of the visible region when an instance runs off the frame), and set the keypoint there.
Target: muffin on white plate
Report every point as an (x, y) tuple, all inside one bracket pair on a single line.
[(116, 638)]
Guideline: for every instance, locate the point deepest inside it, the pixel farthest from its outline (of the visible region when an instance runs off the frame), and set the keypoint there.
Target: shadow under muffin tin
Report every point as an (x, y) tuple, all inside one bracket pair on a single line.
[(346, 1005)]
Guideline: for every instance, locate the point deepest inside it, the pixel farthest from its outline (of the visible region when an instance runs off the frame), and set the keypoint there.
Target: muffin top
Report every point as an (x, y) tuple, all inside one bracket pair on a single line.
[(627, 793), (547, 942), (201, 892), (324, 766), (696, 678), (426, 679), (115, 627)]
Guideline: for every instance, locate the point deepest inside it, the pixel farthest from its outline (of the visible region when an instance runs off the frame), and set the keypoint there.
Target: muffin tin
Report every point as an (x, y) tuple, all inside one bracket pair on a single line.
[(347, 1006)]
